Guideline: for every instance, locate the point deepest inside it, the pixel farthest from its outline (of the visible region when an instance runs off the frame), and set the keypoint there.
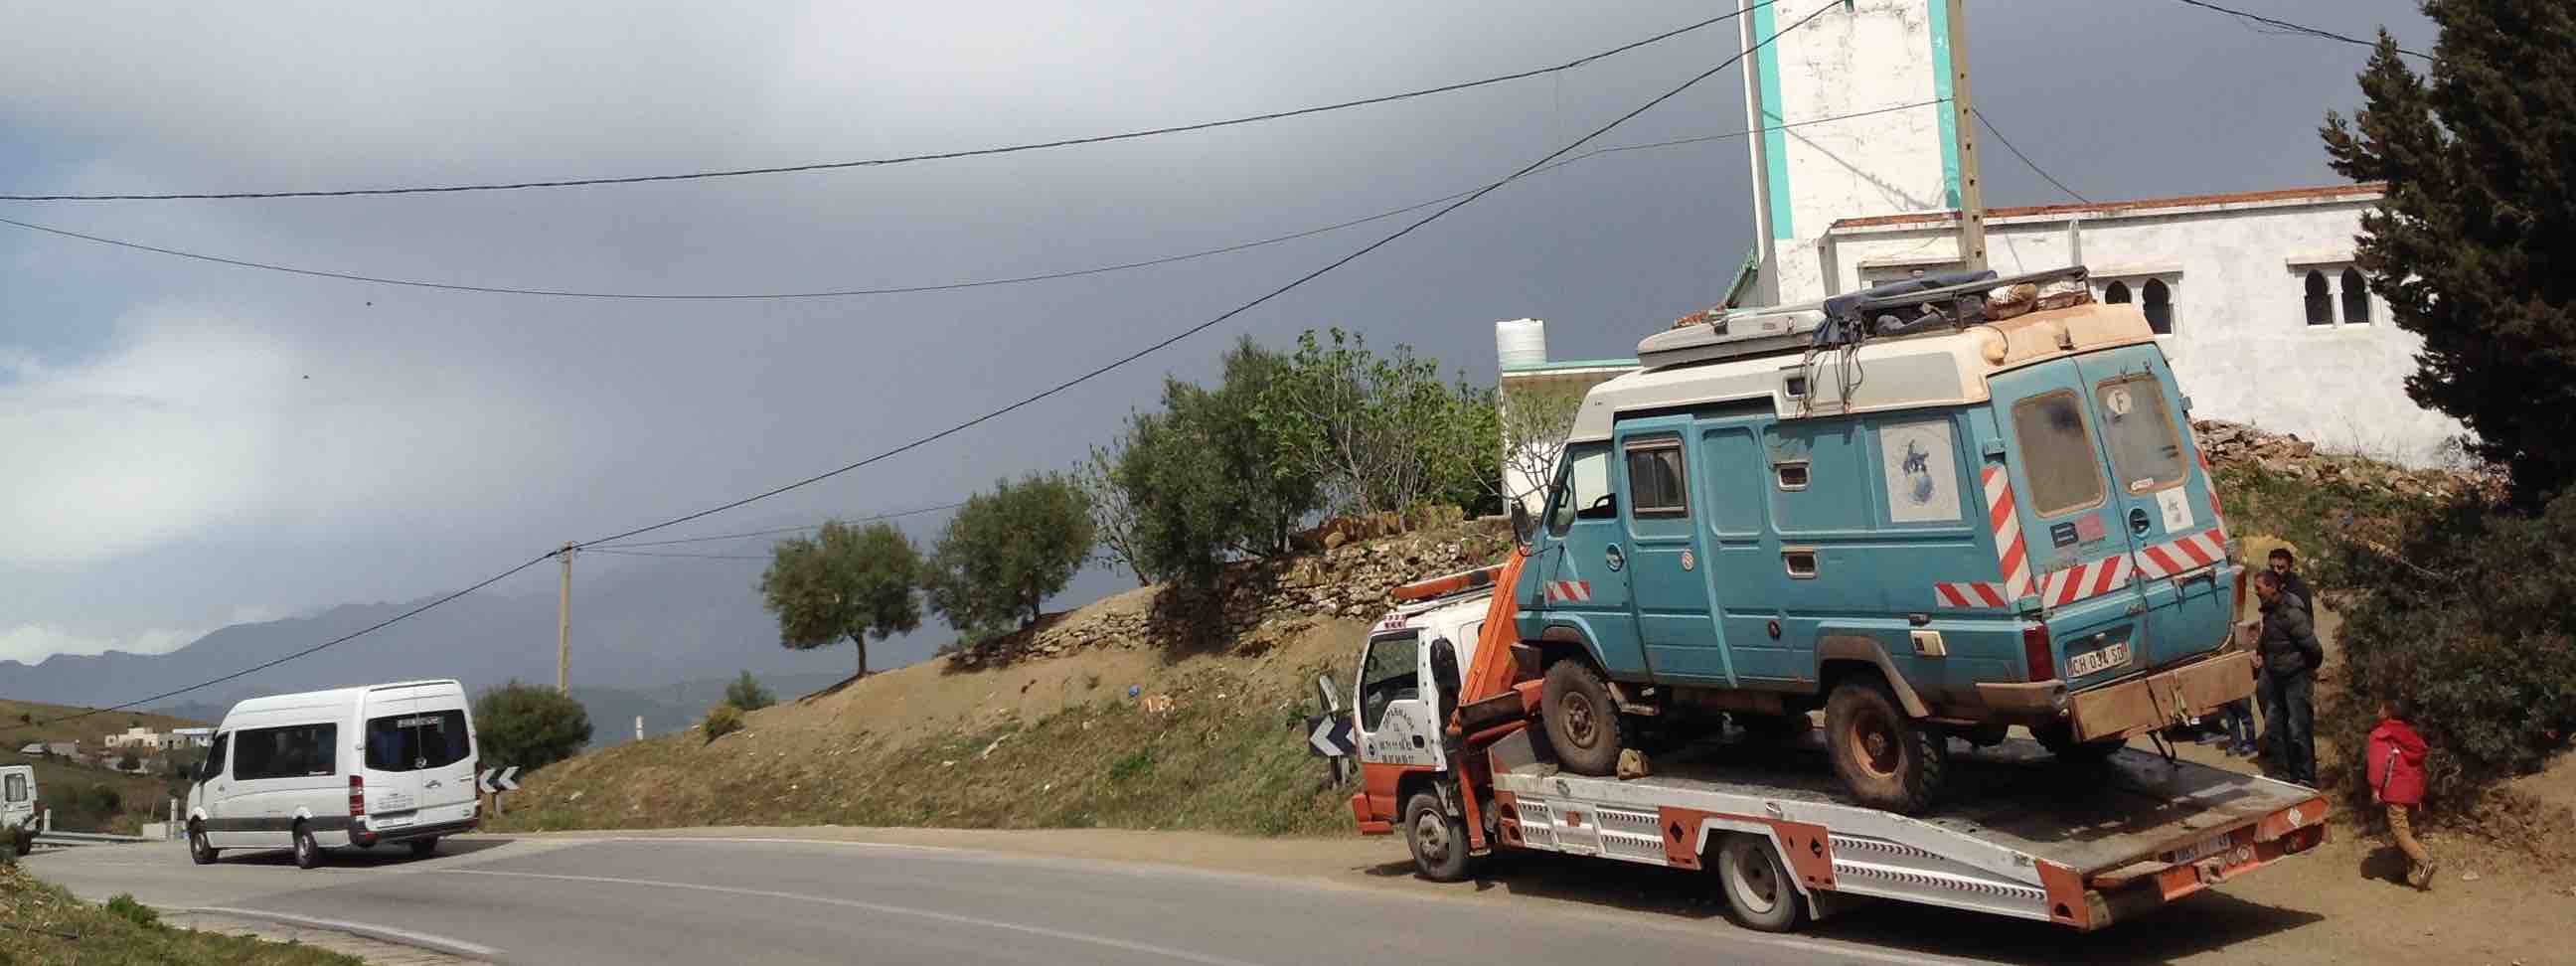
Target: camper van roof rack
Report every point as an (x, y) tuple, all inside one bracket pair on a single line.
[(1731, 334), (1943, 300)]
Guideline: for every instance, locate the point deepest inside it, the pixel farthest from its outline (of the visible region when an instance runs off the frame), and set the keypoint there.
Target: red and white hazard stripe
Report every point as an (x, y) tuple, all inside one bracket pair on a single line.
[(2010, 554), (1985, 593), (1577, 591), (2189, 553), (2088, 579)]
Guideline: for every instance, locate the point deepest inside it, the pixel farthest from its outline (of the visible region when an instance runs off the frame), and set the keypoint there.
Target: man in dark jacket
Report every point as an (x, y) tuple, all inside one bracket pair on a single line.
[(2288, 651)]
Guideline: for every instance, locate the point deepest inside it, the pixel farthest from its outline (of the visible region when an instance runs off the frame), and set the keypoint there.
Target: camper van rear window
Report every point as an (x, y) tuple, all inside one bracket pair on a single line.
[(2145, 449), (295, 751), (2057, 453), (411, 742)]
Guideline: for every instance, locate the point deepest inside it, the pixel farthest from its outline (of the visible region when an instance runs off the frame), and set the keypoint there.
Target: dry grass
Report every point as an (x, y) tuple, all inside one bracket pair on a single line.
[(1054, 742)]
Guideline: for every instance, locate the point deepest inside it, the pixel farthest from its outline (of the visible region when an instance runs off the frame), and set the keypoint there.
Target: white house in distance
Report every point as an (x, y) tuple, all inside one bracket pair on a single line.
[(189, 738), (2253, 292), (137, 737)]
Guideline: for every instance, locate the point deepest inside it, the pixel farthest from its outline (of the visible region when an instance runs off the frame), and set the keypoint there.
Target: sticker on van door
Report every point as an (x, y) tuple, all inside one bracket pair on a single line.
[(2177, 509), (1922, 472)]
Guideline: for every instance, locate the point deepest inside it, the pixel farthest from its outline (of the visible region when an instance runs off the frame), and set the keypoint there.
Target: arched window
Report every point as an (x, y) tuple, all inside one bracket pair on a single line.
[(2320, 301), (2158, 303), (2356, 298), (2117, 293)]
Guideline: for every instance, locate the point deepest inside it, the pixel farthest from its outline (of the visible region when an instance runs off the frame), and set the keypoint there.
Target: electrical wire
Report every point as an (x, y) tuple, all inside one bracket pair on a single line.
[(2298, 28), (780, 530), (910, 289), (2025, 159), (657, 553), (1226, 315), (968, 424), (906, 159)]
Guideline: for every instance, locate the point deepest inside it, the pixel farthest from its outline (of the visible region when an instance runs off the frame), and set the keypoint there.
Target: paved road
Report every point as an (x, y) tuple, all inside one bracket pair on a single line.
[(704, 900)]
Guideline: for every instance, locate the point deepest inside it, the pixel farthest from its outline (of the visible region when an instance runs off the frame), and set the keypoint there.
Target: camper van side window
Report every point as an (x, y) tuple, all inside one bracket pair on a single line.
[(2145, 450), (2057, 454), (1655, 485), (296, 751)]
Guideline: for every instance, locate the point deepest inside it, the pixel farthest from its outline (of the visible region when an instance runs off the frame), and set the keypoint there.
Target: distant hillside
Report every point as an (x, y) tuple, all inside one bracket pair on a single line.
[(91, 732)]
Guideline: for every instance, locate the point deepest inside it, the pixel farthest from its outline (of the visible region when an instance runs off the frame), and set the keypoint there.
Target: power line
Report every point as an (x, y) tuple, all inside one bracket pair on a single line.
[(2025, 159), (780, 530), (656, 553), (1059, 387), (910, 289), (342, 639), (2298, 28), (906, 159)]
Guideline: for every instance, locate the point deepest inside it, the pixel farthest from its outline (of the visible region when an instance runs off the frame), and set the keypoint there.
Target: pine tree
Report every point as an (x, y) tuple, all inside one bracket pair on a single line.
[(2474, 243)]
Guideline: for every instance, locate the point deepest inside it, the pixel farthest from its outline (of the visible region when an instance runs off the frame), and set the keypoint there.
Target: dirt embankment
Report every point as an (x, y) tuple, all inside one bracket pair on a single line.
[(1138, 711)]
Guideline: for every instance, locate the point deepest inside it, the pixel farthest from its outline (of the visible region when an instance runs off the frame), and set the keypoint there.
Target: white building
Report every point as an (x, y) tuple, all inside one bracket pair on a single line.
[(2266, 322), (135, 738), (189, 738)]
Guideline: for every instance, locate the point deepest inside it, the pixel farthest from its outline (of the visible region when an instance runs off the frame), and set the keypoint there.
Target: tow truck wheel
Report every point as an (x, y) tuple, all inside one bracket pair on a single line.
[(1886, 758), (1583, 723), (1439, 840), (1759, 894)]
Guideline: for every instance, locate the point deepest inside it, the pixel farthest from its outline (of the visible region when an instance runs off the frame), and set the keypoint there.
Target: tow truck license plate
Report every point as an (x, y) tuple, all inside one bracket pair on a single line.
[(2091, 661)]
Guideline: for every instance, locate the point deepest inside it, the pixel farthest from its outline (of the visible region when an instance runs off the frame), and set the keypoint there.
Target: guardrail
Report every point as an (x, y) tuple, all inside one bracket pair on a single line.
[(87, 838)]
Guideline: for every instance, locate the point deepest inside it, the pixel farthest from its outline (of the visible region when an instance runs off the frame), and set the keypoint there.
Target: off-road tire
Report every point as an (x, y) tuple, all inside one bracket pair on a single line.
[(1583, 721), (2061, 744), (424, 848), (1760, 894), (308, 853), (1886, 758), (1438, 839), (201, 851)]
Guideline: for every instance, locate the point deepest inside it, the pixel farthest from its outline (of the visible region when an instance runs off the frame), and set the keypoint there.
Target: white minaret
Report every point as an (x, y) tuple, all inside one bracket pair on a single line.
[(1869, 55)]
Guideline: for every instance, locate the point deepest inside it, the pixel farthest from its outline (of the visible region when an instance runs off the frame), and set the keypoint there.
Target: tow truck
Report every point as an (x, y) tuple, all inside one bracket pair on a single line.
[(1445, 708)]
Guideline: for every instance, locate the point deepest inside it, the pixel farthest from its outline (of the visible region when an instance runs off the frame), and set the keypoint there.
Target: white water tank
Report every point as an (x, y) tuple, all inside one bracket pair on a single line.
[(1520, 343)]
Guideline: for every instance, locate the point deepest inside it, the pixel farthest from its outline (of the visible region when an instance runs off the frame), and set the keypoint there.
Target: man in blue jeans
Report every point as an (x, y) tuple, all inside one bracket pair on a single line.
[(2288, 652)]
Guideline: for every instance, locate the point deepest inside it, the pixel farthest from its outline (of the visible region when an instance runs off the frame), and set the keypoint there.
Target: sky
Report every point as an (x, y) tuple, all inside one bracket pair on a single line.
[(191, 445)]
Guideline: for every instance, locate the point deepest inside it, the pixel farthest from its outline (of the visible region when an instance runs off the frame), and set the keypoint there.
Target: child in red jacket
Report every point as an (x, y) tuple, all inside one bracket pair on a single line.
[(2395, 768)]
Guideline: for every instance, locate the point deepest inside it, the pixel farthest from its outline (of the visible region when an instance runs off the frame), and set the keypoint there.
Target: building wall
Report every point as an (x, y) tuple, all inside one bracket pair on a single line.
[(1879, 54), (2241, 345)]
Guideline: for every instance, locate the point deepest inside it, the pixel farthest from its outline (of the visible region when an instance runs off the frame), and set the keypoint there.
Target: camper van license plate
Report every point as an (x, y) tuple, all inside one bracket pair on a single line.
[(2102, 660)]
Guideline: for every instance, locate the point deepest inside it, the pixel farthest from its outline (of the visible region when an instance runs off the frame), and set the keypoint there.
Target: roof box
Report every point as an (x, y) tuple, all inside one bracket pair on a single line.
[(1732, 335)]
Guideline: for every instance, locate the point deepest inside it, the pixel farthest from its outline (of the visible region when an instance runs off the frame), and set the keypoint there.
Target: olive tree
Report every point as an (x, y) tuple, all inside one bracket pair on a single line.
[(843, 583), (1006, 551)]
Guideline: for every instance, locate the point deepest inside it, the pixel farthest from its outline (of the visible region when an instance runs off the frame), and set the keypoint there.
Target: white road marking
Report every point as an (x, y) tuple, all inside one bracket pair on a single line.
[(769, 840), (443, 944), (1110, 941)]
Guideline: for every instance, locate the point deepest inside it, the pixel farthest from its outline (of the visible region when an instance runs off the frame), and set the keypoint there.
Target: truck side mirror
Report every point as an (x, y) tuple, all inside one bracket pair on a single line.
[(1523, 526)]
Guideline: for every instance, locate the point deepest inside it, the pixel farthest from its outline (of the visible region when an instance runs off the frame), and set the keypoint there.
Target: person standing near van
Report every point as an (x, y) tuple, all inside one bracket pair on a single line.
[(2395, 768), (2289, 653)]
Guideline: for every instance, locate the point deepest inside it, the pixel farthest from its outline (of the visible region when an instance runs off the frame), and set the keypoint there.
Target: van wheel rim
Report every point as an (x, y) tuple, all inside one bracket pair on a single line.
[(1579, 724), (1760, 889), (1876, 747)]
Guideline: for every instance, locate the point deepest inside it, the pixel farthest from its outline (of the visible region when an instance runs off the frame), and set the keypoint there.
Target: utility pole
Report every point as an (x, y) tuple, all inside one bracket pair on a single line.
[(563, 626), (1963, 111)]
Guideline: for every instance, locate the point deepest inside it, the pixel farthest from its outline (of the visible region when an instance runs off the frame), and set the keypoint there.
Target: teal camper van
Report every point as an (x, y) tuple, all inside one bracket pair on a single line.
[(1934, 510)]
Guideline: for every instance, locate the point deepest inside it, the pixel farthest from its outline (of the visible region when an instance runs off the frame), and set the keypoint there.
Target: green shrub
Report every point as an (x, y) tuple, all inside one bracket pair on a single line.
[(528, 725), (746, 693), (123, 906), (2470, 612), (1136, 764), (722, 720)]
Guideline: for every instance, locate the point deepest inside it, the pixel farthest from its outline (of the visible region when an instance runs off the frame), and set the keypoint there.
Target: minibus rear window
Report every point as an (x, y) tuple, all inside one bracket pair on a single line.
[(409, 742), (2145, 449), (2057, 454)]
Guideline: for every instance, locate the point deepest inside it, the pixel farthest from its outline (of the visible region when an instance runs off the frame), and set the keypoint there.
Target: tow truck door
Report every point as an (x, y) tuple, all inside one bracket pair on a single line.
[(1391, 718)]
